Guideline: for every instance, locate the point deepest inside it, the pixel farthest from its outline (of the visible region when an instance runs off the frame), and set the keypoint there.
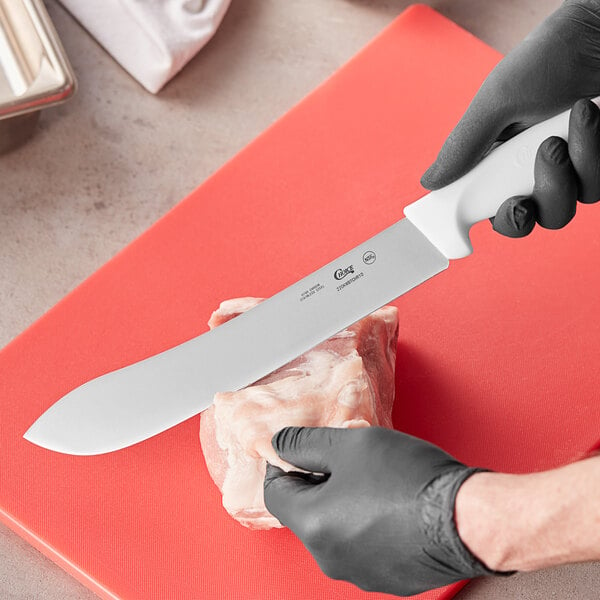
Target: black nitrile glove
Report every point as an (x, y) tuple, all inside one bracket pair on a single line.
[(381, 516), (555, 66)]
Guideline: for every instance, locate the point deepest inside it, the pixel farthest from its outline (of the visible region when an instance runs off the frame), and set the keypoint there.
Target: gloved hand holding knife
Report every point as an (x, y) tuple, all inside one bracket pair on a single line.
[(396, 514), (555, 67)]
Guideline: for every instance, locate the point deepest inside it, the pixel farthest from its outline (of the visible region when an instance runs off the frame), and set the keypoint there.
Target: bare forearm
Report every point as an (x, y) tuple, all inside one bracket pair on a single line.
[(529, 522)]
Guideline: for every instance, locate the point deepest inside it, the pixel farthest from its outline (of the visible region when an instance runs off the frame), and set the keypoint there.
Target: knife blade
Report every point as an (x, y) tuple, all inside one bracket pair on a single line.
[(140, 400)]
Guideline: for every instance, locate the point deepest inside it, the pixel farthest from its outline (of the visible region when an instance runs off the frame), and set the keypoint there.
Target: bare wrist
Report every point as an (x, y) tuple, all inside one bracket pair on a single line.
[(481, 518), (528, 522)]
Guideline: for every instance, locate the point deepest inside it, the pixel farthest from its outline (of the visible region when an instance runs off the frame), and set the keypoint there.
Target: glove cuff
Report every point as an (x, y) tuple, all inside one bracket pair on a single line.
[(444, 543)]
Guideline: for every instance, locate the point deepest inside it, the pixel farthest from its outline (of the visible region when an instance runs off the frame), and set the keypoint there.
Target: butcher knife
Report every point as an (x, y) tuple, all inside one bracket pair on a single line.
[(138, 401)]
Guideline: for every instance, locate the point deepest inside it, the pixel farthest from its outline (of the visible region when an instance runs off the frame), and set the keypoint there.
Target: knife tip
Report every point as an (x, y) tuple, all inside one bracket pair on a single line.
[(34, 435)]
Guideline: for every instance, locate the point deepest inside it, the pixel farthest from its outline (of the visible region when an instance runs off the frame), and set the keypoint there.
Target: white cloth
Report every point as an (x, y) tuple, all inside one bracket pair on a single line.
[(151, 39)]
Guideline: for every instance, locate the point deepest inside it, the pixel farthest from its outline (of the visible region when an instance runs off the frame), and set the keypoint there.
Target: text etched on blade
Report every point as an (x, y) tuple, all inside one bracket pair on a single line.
[(306, 294), (349, 281)]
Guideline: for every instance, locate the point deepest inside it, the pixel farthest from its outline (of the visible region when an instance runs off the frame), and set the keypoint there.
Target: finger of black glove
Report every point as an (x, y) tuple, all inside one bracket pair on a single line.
[(555, 189), (282, 491), (584, 149), (309, 448), (516, 217), (469, 142)]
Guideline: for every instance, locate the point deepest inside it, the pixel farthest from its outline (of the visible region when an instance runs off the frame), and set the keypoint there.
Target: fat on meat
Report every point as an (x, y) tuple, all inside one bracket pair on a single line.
[(346, 381)]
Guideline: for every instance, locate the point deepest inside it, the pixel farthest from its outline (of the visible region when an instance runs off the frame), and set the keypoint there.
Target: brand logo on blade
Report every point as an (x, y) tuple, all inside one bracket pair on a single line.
[(369, 257), (341, 273)]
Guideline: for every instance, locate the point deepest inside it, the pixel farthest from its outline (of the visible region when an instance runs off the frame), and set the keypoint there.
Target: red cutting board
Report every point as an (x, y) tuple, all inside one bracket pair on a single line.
[(497, 363)]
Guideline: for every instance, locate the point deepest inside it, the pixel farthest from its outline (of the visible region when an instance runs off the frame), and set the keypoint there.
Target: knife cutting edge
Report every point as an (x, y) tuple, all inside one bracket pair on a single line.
[(138, 401)]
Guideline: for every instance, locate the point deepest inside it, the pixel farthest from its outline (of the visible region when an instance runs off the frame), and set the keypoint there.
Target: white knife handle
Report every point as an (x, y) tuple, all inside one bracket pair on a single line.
[(446, 215)]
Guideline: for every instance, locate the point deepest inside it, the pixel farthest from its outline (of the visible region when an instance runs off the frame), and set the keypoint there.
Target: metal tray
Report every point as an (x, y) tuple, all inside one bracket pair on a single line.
[(34, 70)]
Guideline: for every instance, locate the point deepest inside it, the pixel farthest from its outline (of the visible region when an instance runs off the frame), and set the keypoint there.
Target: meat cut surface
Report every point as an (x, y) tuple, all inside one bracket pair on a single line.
[(346, 381)]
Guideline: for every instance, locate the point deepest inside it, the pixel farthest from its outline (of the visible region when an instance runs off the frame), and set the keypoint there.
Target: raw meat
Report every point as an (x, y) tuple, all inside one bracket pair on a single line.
[(347, 381)]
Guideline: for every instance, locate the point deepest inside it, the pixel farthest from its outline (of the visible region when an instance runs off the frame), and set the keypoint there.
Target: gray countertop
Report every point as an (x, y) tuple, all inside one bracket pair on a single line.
[(63, 214)]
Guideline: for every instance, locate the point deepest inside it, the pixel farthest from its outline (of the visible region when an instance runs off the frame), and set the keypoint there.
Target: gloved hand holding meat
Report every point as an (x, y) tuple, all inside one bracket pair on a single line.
[(350, 490), (382, 517)]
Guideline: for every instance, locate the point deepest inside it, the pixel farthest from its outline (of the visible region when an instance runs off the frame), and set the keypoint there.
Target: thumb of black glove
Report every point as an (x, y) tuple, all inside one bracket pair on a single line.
[(557, 64), (380, 515)]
